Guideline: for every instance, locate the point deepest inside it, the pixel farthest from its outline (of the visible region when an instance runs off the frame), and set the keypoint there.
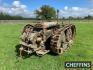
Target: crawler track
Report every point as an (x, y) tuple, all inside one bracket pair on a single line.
[(63, 38)]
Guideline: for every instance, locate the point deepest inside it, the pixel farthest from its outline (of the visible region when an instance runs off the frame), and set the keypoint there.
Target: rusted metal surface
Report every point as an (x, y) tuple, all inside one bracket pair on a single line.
[(44, 38)]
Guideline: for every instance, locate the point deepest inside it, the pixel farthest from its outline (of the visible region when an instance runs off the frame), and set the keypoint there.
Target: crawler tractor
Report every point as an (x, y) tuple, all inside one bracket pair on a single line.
[(48, 37)]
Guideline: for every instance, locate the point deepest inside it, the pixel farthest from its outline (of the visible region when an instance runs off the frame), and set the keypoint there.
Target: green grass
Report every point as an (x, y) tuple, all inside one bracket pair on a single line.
[(82, 49)]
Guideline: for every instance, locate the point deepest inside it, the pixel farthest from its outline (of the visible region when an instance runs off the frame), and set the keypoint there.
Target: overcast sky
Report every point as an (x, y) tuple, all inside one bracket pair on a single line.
[(67, 7)]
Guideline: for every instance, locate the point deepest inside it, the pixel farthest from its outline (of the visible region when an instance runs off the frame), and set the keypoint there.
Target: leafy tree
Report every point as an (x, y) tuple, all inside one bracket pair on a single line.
[(46, 12), (88, 17)]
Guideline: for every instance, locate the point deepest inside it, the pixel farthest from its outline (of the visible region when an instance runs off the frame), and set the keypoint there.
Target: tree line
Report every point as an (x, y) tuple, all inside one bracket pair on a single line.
[(45, 12), (5, 16)]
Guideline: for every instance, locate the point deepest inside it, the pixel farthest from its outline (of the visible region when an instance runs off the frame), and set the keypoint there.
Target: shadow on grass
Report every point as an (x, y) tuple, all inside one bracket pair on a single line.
[(17, 49), (52, 54)]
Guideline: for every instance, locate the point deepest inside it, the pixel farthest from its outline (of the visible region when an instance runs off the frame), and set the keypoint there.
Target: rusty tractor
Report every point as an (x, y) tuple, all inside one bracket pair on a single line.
[(47, 37)]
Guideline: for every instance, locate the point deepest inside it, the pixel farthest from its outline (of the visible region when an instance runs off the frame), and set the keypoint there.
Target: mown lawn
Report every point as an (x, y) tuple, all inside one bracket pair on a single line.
[(82, 49)]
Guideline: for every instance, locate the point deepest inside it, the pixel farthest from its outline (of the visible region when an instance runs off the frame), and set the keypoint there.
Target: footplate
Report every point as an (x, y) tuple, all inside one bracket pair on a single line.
[(42, 52)]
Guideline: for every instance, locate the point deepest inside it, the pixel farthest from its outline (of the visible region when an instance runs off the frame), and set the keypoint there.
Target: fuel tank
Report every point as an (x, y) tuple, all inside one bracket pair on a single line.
[(49, 24)]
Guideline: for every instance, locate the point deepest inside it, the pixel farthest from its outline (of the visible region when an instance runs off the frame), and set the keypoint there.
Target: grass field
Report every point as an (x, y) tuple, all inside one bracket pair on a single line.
[(82, 49)]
